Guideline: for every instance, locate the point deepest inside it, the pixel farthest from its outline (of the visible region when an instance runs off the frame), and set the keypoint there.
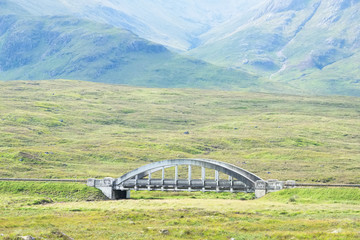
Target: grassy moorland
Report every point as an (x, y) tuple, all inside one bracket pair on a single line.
[(74, 129), (47, 213)]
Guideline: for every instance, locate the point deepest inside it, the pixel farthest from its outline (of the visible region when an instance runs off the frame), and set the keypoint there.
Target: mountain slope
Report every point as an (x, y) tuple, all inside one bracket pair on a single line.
[(302, 44), (176, 24), (65, 47), (294, 46), (7, 7)]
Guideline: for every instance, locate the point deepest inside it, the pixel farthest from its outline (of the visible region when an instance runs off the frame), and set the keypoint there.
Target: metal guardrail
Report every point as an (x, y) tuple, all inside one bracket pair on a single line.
[(322, 185), (85, 180), (42, 180)]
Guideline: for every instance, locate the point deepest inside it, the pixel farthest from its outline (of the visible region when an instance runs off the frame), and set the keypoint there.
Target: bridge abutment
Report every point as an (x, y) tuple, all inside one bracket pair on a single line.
[(260, 188), (106, 185), (263, 187)]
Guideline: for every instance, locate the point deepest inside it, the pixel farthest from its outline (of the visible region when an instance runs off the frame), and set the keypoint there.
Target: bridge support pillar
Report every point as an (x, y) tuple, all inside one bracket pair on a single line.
[(260, 188)]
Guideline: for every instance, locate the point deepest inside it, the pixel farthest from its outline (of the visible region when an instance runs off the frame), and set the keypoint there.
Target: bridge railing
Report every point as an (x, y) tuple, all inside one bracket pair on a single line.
[(42, 180), (112, 191)]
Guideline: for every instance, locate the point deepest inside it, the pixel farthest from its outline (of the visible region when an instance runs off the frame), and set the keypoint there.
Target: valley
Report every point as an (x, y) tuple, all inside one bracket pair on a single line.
[(296, 47), (97, 88)]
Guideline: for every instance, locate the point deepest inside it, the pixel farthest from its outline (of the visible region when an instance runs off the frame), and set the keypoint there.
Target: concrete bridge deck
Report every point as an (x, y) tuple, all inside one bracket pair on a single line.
[(184, 184)]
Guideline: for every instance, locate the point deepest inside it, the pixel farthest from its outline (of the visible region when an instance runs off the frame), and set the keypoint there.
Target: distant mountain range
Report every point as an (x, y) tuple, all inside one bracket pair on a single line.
[(52, 47), (288, 46)]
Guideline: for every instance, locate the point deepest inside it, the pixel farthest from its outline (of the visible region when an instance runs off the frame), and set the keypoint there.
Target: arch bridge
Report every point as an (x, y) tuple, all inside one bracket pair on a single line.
[(238, 179)]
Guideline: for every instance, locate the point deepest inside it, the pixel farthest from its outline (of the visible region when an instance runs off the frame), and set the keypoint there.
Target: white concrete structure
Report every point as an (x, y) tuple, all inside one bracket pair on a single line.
[(239, 180)]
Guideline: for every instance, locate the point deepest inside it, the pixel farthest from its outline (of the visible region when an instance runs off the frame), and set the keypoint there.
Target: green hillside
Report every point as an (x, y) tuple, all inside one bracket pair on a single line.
[(35, 48), (294, 47), (309, 47), (161, 21), (74, 129)]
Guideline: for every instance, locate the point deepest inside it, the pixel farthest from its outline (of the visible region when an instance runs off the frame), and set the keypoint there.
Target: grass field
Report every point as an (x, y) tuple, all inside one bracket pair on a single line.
[(74, 129), (290, 214)]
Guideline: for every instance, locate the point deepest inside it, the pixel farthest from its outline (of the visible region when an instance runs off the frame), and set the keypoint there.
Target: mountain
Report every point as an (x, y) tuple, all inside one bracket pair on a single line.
[(175, 24), (7, 7), (309, 45), (50, 47), (291, 46)]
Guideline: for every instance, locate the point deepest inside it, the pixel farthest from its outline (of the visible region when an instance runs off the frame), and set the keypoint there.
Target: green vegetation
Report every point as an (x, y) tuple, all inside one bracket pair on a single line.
[(56, 191), (52, 47), (73, 129), (320, 195), (44, 214), (296, 46)]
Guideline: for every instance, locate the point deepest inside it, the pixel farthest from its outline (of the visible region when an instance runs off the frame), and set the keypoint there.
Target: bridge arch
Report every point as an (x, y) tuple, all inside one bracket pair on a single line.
[(231, 170)]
